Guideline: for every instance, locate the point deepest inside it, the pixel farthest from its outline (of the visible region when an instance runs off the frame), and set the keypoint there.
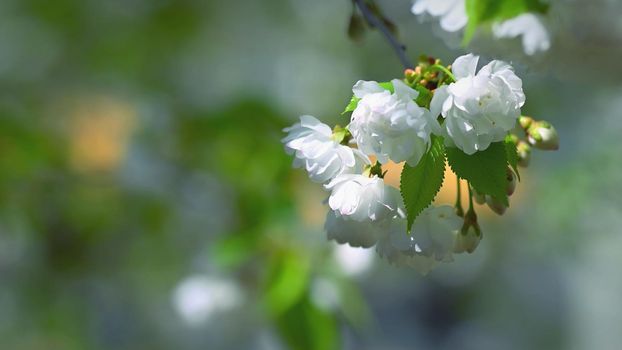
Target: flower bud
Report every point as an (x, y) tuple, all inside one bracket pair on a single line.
[(496, 205), (525, 122), (543, 135), (356, 27), (524, 153), (477, 197), (410, 74), (513, 138), (468, 238), (511, 182)]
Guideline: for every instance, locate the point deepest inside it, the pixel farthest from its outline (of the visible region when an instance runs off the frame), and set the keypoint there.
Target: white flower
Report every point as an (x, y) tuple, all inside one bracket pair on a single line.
[(479, 108), (452, 12), (391, 125), (432, 239), (361, 198), (535, 36), (315, 149), (355, 233)]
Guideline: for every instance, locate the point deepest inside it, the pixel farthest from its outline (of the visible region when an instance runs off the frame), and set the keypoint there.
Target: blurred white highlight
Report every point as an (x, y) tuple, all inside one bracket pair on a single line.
[(198, 298), (353, 261)]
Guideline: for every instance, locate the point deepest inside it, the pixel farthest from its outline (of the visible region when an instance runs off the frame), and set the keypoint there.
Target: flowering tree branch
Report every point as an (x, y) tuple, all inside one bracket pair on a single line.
[(374, 21)]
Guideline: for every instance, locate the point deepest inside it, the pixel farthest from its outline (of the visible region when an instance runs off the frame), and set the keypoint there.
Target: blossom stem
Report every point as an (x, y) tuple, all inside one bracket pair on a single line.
[(470, 198), (399, 48), (444, 69), (458, 205)]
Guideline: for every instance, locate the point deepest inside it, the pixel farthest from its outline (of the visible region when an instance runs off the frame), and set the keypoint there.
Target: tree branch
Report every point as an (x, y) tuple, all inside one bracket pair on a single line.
[(372, 20)]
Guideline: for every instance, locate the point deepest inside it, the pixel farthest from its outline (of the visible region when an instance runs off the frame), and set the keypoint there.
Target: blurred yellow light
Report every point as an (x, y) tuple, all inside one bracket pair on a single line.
[(100, 128)]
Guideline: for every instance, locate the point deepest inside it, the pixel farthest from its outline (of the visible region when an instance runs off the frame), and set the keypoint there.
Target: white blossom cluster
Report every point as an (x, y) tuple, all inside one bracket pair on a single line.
[(453, 18), (479, 108)]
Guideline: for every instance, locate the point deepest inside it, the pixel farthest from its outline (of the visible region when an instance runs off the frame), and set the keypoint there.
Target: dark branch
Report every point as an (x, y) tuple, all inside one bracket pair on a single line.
[(374, 21)]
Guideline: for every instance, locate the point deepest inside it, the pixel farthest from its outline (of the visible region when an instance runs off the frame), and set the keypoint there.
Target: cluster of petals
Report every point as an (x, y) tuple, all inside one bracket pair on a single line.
[(432, 240), (480, 107), (453, 18), (361, 198), (314, 148), (452, 13), (530, 27), (390, 125)]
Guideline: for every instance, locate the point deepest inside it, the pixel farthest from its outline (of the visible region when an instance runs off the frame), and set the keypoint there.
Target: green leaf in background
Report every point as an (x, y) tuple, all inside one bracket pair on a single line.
[(486, 171), (484, 11), (353, 305), (233, 250), (287, 282), (306, 327), (420, 184), (511, 154)]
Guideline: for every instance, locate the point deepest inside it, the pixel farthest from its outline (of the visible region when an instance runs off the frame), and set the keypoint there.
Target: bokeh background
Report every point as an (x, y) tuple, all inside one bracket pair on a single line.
[(146, 201)]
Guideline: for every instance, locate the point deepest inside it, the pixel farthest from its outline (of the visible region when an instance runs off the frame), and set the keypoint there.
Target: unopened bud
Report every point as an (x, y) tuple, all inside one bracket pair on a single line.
[(511, 182), (524, 153), (478, 197), (543, 135), (410, 74), (525, 122), (356, 27), (496, 205), (468, 238), (513, 138)]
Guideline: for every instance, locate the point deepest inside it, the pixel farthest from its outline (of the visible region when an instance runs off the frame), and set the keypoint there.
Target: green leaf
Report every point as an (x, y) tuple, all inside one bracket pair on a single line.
[(387, 85), (511, 154), (486, 170), (487, 11), (287, 282), (420, 184), (304, 326), (353, 305), (354, 101), (233, 250), (425, 96)]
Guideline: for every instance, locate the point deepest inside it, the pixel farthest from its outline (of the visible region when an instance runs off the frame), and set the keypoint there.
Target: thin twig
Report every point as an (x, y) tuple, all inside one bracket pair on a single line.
[(374, 21)]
